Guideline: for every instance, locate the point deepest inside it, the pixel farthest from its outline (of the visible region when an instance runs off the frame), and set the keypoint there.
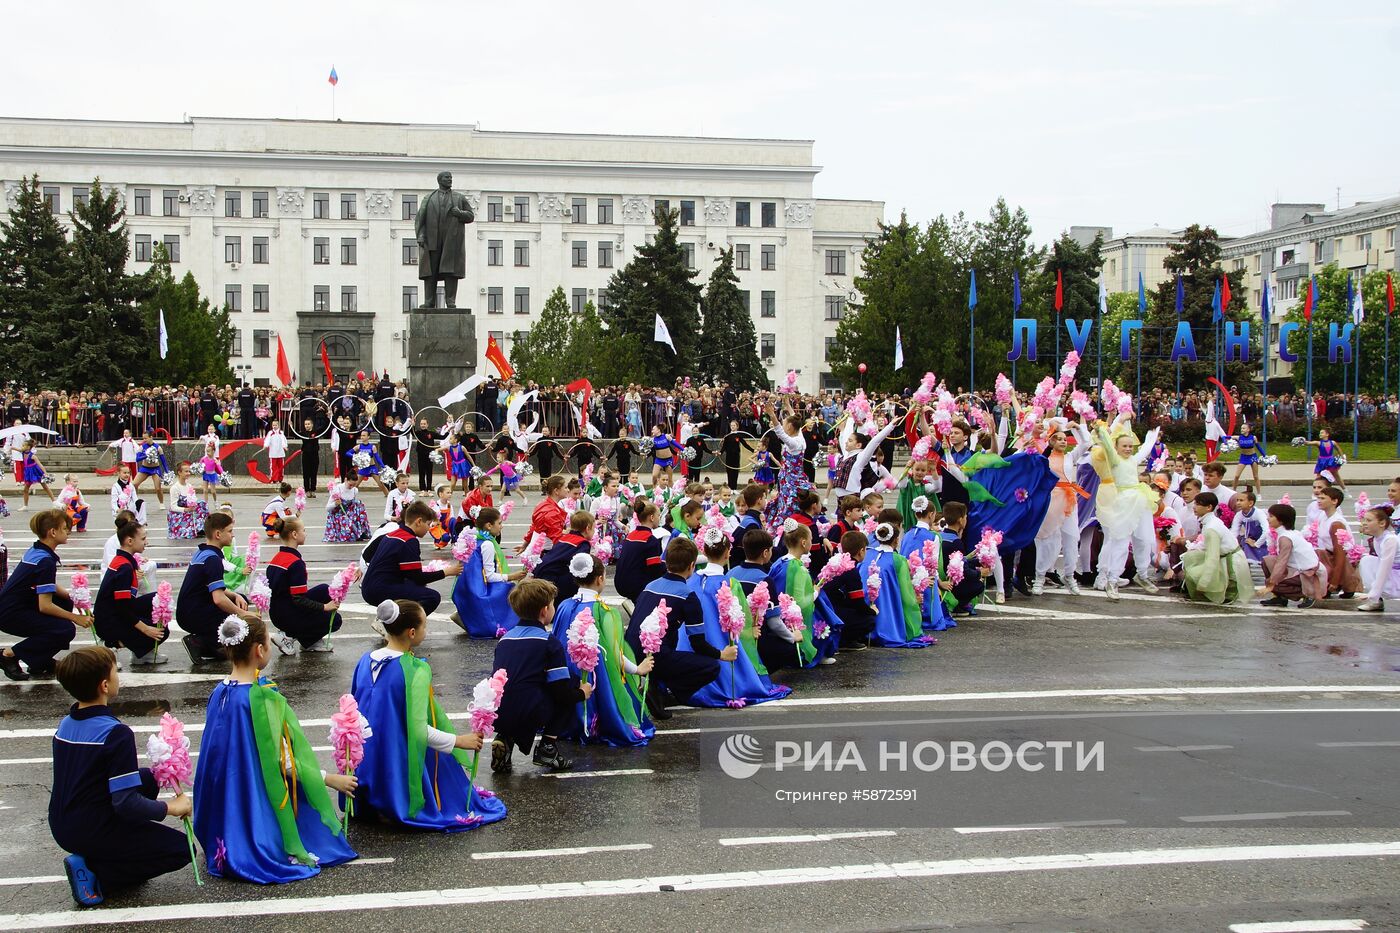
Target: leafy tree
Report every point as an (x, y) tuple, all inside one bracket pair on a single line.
[(540, 353), (1000, 250), (658, 281), (1331, 308), (1078, 266), (199, 335), (105, 337), (731, 344), (33, 265), (595, 354)]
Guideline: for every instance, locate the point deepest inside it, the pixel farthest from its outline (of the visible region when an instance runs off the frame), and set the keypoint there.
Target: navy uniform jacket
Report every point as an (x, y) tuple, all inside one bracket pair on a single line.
[(554, 566), (747, 522), (286, 577), (638, 563), (117, 608), (537, 682), (96, 783), (395, 561), (847, 595), (750, 575), (194, 607), (685, 612), (36, 573)]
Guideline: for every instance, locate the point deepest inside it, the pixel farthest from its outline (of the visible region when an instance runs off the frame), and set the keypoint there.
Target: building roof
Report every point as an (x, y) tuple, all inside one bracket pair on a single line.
[(1318, 224)]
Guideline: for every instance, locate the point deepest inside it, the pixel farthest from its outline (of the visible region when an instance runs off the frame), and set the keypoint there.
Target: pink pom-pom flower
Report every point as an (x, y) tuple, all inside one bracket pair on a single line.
[(299, 503), (872, 583), (583, 641), (80, 593), (789, 384), (534, 551), (987, 550), (506, 508), (340, 584), (163, 605), (260, 594), (1363, 504), (924, 393), (349, 730), (731, 614), (759, 601), (485, 702), (921, 448), (169, 752), (465, 547), (1285, 499), (839, 564), (653, 627), (955, 568), (790, 614), (252, 553), (1003, 389)]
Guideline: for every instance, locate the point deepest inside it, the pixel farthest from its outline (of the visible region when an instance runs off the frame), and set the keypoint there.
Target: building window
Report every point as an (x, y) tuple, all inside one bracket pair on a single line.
[(410, 252), (1363, 241), (233, 297), (744, 297), (522, 252), (836, 262), (835, 307), (1317, 252), (493, 209), (410, 297), (170, 202), (142, 250), (321, 298), (687, 213), (522, 301), (260, 203), (141, 204), (172, 246), (1287, 258), (768, 304), (604, 302), (770, 213), (741, 257), (321, 251), (347, 251), (1287, 290), (80, 197), (580, 253), (577, 299), (262, 300), (233, 204), (495, 300), (605, 210), (605, 251), (1337, 248), (347, 298), (233, 249), (1390, 238), (321, 205), (236, 348), (688, 251), (522, 210), (51, 199), (494, 249), (410, 206), (498, 336), (578, 211), (768, 257), (347, 207), (768, 346), (741, 214), (262, 343), (261, 250), (830, 345)]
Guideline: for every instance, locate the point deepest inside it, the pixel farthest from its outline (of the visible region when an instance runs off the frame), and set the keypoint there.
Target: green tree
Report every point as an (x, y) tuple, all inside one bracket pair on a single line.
[(33, 266), (540, 353), (658, 281), (1078, 266), (1001, 251), (106, 337), (1331, 308), (199, 336), (594, 353), (731, 344)]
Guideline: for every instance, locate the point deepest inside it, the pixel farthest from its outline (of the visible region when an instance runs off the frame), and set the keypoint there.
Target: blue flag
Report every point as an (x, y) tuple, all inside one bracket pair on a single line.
[(972, 291), (1180, 295), (1016, 290), (1215, 304), (1264, 308), (1351, 298), (1142, 296)]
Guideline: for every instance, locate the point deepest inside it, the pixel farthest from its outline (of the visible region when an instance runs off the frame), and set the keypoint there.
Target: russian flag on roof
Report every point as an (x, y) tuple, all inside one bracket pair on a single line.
[(334, 79)]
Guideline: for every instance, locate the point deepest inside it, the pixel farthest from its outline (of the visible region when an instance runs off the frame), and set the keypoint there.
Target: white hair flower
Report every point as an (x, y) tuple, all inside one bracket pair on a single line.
[(473, 512), (387, 612), (713, 536), (232, 631), (920, 504), (789, 525), (581, 566), (884, 532)]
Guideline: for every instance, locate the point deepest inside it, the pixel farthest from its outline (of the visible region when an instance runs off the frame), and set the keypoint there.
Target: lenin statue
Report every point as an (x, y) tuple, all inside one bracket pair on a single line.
[(442, 241)]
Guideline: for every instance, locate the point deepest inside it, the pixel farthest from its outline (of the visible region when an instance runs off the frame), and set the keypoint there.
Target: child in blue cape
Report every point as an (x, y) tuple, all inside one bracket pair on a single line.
[(898, 619), (414, 771), (932, 610), (821, 631), (262, 812), (482, 591)]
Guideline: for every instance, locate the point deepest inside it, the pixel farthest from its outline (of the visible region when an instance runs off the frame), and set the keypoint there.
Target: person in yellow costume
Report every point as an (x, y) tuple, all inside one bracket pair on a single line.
[(1124, 503)]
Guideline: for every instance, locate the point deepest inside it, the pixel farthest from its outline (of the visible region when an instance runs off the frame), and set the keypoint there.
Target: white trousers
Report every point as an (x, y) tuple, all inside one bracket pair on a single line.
[(1063, 541), (1114, 553)]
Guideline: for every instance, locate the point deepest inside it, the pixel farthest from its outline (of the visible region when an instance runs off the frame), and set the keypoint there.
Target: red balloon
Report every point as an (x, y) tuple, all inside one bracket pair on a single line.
[(360, 375), (861, 368)]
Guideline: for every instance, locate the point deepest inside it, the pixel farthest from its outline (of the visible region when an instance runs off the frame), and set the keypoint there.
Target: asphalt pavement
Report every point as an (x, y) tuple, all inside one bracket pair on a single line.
[(1283, 811)]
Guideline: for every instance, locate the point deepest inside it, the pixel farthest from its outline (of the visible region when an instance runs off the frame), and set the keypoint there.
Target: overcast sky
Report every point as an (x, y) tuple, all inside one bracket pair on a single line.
[(1126, 113)]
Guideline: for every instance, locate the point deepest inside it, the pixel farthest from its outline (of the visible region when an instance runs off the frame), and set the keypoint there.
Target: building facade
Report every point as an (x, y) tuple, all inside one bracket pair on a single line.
[(1128, 256), (304, 229)]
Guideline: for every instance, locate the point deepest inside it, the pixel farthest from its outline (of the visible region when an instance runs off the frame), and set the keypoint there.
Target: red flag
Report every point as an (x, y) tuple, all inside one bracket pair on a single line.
[(326, 362), (1059, 289), (1389, 294), (1224, 293), (1308, 300), (284, 372), (496, 358), (586, 387)]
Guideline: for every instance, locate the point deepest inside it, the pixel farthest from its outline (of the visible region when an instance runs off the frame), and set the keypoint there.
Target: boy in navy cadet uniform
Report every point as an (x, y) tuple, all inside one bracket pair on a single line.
[(639, 555), (103, 808), (204, 601), (750, 506), (847, 594), (33, 605), (680, 672), (541, 694), (395, 569), (774, 647), (554, 566), (121, 614)]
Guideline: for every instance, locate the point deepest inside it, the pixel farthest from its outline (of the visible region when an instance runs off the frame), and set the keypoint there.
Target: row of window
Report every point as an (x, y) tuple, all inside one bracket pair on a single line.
[(767, 343)]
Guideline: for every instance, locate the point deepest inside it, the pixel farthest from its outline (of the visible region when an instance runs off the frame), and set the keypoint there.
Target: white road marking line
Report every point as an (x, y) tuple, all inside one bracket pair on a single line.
[(1298, 926), (1032, 827), (1235, 817), (815, 837), (619, 772), (372, 861), (37, 879), (1358, 744), (1181, 748), (551, 853), (341, 903)]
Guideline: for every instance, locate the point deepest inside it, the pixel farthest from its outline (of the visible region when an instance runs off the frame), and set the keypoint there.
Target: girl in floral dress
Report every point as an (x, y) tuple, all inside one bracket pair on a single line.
[(187, 513), (792, 479)]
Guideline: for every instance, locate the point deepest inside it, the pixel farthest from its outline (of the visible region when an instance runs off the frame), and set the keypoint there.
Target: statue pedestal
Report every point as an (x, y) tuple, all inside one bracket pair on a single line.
[(441, 352)]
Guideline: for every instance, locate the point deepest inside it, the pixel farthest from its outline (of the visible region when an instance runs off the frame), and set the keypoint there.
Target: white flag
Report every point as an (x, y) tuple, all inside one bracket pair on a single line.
[(1358, 310), (898, 350), (662, 334), (164, 337), (1103, 298), (460, 393)]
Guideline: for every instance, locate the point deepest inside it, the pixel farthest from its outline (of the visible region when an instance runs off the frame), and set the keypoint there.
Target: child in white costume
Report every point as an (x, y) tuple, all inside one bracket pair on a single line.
[(1124, 504)]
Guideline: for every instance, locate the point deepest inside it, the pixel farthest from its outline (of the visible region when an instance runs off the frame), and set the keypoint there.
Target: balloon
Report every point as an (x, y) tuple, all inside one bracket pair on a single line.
[(861, 367), (360, 375)]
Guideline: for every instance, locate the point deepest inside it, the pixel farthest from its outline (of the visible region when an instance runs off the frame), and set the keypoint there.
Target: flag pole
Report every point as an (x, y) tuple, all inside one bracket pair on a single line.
[(1308, 401), (1356, 392)]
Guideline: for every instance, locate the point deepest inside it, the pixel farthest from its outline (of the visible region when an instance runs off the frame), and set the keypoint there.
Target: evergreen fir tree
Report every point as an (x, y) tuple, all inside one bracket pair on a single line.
[(658, 281), (539, 354), (731, 344), (33, 264)]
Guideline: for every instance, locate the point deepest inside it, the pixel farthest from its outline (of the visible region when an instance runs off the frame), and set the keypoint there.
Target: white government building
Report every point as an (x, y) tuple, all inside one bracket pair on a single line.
[(304, 228)]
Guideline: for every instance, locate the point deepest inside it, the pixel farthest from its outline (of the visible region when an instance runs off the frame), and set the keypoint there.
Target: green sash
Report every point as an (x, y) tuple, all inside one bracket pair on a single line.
[(799, 586), (913, 618), (615, 648), (275, 730), (235, 578), (421, 707), (748, 639)]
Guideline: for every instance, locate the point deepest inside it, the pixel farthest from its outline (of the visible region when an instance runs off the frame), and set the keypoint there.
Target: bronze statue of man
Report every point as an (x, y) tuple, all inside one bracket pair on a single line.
[(440, 228)]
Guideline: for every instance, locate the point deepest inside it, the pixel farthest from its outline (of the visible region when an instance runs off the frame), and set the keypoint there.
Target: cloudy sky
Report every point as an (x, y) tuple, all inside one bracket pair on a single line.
[(1126, 113)]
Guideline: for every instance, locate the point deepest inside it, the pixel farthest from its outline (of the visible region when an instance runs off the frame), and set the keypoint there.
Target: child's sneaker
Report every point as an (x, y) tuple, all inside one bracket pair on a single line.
[(149, 659), (547, 755), (284, 643), (320, 646), (500, 757), (82, 882)]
